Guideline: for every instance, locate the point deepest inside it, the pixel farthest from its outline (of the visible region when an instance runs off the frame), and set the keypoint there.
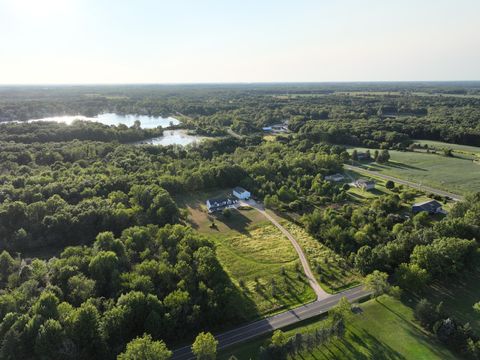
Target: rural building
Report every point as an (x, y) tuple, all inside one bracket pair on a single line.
[(364, 184), (277, 128), (241, 193), (335, 177), (361, 156), (430, 206), (220, 204)]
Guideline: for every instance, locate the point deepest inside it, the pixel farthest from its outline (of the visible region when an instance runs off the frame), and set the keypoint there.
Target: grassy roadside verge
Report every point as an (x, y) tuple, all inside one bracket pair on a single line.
[(383, 329)]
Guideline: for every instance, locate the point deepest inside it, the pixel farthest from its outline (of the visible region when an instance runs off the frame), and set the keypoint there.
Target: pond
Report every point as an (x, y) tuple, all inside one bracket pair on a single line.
[(147, 122), (171, 137)]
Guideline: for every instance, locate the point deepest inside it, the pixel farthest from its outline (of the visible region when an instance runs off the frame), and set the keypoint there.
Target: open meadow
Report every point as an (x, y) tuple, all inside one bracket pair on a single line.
[(332, 271)]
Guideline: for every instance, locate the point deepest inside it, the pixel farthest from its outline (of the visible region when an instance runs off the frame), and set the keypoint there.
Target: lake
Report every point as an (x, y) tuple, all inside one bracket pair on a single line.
[(147, 122), (171, 137)]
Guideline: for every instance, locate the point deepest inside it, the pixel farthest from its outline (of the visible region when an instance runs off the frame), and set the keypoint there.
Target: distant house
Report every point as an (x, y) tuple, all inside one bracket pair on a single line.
[(241, 193), (335, 177), (277, 128), (280, 128), (364, 184), (361, 156), (430, 206), (220, 204)]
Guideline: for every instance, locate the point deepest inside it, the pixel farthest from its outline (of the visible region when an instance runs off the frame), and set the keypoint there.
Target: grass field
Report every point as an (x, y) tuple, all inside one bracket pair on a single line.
[(469, 152), (383, 329), (265, 266), (331, 270), (455, 174), (458, 296), (259, 259)]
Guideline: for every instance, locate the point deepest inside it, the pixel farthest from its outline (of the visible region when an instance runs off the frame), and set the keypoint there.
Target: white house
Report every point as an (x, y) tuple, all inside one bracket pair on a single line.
[(365, 184), (220, 204), (335, 177), (241, 193)]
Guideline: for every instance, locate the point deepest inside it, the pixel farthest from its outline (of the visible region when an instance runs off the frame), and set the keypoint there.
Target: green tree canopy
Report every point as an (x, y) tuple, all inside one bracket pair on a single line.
[(145, 348)]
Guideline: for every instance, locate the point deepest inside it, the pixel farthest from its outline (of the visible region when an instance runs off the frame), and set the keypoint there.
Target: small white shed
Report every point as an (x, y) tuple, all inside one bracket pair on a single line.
[(241, 193)]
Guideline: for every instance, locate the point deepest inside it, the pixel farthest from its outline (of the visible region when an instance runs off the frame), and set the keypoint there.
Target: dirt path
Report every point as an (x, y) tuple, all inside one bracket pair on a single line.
[(321, 294)]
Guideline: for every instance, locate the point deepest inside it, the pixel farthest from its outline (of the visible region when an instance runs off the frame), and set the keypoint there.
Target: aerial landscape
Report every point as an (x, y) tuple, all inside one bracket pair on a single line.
[(208, 195)]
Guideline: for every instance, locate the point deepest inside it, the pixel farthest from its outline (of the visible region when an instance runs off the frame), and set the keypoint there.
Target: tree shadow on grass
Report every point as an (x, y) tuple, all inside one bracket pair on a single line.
[(237, 221), (362, 345), (392, 311), (377, 192), (286, 216), (403, 166)]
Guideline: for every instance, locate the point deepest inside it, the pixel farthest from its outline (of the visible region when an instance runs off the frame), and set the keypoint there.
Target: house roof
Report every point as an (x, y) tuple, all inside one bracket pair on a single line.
[(221, 202), (365, 181), (429, 205), (337, 175), (239, 190)]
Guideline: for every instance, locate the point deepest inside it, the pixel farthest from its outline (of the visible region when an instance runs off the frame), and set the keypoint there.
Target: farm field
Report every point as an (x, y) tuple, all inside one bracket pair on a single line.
[(383, 329), (455, 174), (456, 148)]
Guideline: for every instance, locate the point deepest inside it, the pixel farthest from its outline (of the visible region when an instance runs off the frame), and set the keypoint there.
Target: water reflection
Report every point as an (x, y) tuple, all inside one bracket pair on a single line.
[(171, 137), (147, 122)]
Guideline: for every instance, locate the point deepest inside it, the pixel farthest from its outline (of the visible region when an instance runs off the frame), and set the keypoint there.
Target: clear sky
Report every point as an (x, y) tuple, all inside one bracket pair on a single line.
[(177, 41)]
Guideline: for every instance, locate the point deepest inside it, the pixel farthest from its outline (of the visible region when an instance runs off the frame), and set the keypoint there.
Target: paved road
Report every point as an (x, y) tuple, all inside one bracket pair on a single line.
[(267, 325), (234, 134), (405, 182), (321, 294)]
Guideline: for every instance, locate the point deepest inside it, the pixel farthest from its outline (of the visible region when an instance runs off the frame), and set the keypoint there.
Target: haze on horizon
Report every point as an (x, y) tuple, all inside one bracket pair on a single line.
[(148, 41)]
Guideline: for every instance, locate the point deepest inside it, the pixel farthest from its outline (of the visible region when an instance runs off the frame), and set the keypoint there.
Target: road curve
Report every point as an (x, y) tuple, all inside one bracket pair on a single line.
[(269, 324), (319, 292), (234, 134), (405, 182)]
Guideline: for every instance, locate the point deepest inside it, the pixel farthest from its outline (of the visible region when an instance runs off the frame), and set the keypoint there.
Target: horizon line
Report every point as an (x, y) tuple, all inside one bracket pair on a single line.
[(238, 83)]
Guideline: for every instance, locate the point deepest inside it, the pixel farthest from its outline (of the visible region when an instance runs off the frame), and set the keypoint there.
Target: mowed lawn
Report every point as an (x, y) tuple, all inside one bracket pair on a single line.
[(382, 329), (259, 259), (458, 296), (461, 149), (455, 174)]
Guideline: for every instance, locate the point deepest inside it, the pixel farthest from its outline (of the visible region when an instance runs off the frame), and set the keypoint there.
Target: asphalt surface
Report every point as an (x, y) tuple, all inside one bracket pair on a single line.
[(414, 185), (269, 324)]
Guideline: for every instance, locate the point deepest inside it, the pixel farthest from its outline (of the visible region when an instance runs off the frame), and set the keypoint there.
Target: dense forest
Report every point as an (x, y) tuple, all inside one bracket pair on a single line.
[(373, 115), (127, 263)]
